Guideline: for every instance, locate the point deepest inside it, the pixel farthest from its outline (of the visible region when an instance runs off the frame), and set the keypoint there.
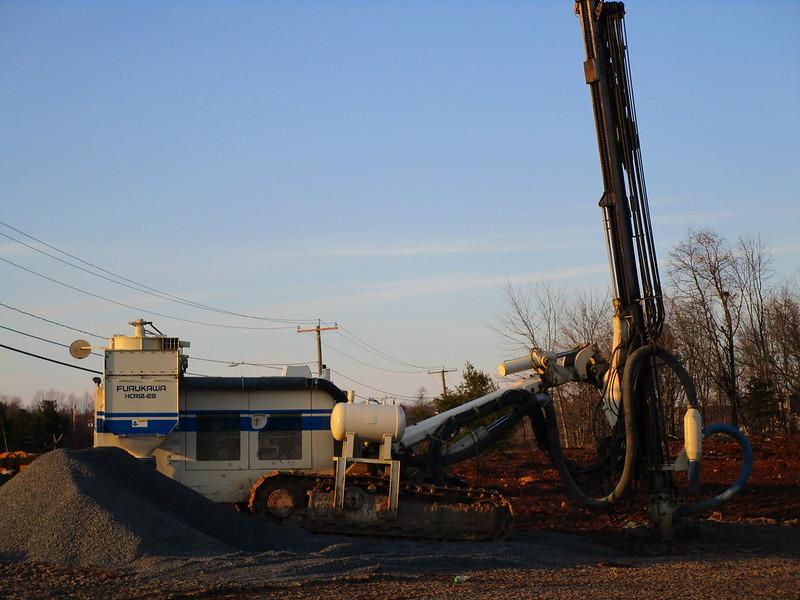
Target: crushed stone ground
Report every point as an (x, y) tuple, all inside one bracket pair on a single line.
[(99, 523)]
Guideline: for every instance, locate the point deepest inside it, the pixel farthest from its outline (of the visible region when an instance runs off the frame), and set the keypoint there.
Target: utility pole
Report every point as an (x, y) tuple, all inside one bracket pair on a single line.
[(318, 330), (444, 383)]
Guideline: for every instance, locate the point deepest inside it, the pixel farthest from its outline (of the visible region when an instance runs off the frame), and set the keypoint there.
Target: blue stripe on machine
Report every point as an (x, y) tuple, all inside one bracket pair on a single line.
[(121, 426), (263, 411), (144, 427), (305, 422), (137, 415), (244, 411)]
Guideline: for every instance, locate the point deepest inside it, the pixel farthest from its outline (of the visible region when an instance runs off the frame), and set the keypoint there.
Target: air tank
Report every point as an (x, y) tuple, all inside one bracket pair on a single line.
[(370, 422)]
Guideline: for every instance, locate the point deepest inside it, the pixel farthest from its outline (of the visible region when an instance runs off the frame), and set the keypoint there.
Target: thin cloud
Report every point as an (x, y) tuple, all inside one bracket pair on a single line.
[(787, 249), (463, 246), (10, 248), (396, 290), (694, 217)]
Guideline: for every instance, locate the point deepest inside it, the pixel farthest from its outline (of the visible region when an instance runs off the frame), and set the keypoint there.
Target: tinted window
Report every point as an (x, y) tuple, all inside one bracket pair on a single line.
[(281, 438), (218, 437)]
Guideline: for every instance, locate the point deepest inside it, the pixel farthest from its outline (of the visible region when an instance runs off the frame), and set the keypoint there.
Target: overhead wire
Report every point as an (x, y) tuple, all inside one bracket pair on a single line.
[(141, 287), (234, 363), (52, 360), (276, 366), (137, 308), (211, 360), (46, 320), (36, 337), (132, 284), (392, 394), (327, 346), (354, 339), (135, 285)]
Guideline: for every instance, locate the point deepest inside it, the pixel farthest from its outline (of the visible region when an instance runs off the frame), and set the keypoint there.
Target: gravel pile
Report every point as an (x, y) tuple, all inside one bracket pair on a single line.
[(103, 507)]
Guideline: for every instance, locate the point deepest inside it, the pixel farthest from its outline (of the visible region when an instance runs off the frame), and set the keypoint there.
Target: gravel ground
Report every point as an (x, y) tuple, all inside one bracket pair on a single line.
[(545, 566), (97, 523)]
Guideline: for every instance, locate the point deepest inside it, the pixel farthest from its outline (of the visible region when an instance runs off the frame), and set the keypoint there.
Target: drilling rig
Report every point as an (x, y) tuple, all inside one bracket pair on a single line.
[(297, 448), (636, 449)]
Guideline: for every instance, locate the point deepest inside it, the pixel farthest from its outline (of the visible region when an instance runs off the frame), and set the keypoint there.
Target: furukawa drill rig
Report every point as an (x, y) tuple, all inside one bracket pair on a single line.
[(295, 449)]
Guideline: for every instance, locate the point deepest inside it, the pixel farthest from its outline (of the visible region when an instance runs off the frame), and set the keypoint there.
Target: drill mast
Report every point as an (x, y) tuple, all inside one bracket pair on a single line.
[(626, 215)]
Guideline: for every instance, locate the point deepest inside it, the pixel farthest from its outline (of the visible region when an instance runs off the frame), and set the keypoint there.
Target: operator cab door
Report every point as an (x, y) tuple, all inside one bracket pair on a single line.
[(280, 436)]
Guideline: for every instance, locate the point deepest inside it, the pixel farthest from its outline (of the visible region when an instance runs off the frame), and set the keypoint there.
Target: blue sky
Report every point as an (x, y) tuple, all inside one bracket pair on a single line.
[(384, 165)]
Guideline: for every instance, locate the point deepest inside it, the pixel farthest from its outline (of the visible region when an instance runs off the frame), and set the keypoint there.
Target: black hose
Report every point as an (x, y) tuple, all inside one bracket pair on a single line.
[(632, 366), (522, 400), (495, 432)]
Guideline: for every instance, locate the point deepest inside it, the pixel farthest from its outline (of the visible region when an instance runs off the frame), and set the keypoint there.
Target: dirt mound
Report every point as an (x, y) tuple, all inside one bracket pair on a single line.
[(103, 507)]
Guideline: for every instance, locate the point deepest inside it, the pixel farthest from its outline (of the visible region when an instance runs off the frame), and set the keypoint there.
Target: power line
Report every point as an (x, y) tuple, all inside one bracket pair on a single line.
[(211, 360), (343, 376), (393, 394), (234, 363), (354, 339), (353, 358), (118, 279), (141, 287), (52, 360), (36, 337), (19, 310), (132, 307)]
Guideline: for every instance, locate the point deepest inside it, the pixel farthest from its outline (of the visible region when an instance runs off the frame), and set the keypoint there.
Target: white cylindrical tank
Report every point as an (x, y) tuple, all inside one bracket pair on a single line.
[(369, 422)]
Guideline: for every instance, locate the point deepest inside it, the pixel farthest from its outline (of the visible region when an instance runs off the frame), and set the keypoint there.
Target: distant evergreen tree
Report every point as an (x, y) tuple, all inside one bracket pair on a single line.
[(474, 384)]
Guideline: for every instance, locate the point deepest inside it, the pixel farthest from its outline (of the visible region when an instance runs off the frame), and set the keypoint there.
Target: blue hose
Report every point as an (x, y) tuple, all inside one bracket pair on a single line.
[(744, 474)]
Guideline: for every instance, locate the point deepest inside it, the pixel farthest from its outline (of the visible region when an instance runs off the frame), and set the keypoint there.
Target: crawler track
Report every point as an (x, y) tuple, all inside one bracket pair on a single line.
[(426, 512)]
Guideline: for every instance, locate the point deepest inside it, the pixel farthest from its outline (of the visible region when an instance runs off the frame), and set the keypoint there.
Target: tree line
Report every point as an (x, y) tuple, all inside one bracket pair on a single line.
[(52, 420)]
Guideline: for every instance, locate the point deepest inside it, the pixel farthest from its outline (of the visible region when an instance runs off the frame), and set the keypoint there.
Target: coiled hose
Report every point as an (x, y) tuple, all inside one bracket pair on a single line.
[(744, 474)]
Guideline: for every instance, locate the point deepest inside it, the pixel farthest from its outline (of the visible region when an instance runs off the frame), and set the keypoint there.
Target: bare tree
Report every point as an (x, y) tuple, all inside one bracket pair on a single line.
[(761, 397), (545, 317), (705, 275), (737, 334), (533, 316), (783, 339), (587, 320)]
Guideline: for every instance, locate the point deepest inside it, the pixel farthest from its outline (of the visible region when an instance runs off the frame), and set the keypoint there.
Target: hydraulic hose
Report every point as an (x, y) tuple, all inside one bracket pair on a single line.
[(436, 459), (632, 366), (554, 445), (495, 432), (744, 474)]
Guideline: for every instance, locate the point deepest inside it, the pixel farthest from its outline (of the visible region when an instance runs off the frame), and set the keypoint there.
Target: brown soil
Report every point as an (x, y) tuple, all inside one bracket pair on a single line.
[(532, 484)]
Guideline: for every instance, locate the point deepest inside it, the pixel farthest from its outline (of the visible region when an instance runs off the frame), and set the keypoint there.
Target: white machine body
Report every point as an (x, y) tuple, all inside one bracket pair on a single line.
[(216, 435)]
